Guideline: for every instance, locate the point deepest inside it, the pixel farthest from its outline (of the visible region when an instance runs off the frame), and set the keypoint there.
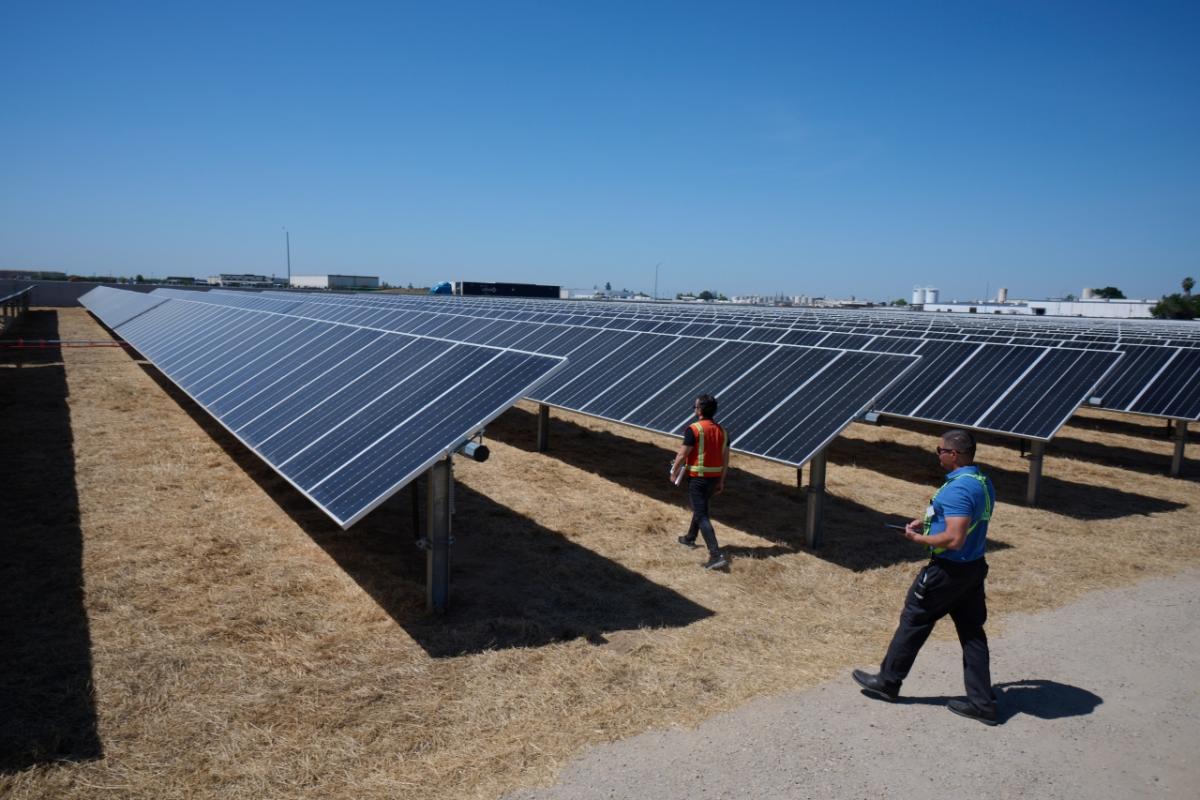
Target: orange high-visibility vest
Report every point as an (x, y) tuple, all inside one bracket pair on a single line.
[(707, 458)]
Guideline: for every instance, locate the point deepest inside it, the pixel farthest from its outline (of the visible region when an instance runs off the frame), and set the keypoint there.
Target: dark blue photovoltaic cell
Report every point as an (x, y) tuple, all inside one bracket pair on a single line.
[(622, 397), (667, 410), (1036, 404), (347, 414), (980, 381), (372, 474), (1175, 393), (581, 361), (364, 375), (281, 378), (115, 306), (938, 360), (609, 369), (393, 401), (1138, 368), (756, 393), (799, 428)]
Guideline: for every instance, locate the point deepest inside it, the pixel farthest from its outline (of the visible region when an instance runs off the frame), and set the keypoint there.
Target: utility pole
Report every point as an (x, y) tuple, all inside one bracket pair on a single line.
[(287, 238), (656, 266)]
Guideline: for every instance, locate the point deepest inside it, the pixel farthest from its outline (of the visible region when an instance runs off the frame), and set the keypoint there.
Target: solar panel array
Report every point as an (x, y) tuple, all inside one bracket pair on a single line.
[(780, 401), (1136, 384), (977, 381), (346, 413)]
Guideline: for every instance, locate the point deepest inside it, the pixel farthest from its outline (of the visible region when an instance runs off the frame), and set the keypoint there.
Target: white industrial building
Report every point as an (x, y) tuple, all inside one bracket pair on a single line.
[(1088, 306), (335, 282)]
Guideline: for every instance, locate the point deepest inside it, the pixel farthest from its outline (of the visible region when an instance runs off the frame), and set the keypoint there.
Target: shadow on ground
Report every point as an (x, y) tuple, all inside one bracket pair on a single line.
[(47, 706), (513, 582), (854, 536), (1036, 697), (1127, 458), (1059, 495)]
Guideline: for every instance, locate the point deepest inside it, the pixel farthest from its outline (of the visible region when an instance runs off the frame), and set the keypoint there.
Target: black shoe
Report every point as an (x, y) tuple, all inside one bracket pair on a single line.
[(874, 685), (686, 542), (716, 562), (965, 708)]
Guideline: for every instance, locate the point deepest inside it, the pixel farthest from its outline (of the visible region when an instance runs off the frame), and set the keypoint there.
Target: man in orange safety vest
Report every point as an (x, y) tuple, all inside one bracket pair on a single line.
[(705, 455)]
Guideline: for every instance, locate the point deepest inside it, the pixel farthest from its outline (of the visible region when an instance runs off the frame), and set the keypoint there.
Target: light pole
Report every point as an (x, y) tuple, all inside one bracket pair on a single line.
[(287, 238), (656, 266)]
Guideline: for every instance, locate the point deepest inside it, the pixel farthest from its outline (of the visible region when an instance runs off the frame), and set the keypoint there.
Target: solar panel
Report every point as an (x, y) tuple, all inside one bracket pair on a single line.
[(348, 415), (1044, 389), (118, 306), (794, 399)]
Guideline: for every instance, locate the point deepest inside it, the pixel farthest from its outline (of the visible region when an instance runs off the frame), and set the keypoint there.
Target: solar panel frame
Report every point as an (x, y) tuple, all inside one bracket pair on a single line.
[(512, 374)]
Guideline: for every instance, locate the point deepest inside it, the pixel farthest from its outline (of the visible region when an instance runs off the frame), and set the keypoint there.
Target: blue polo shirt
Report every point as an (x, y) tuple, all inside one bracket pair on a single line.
[(963, 495)]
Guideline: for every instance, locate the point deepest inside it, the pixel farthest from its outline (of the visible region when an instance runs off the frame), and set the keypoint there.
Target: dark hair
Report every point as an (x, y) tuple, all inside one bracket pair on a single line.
[(960, 440), (708, 405)]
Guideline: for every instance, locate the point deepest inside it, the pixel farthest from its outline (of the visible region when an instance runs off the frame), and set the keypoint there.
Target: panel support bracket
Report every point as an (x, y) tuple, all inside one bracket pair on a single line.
[(543, 431), (1037, 450), (815, 501), (440, 479), (1180, 442)]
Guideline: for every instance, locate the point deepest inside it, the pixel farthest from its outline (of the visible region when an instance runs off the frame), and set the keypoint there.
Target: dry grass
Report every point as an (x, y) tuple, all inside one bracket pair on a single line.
[(186, 625)]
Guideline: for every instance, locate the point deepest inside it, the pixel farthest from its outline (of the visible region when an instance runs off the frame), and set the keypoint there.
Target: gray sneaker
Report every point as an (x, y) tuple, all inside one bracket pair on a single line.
[(686, 542), (716, 562)]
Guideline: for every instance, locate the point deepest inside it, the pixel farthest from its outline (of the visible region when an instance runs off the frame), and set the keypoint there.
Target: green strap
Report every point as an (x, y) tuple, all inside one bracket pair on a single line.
[(986, 516)]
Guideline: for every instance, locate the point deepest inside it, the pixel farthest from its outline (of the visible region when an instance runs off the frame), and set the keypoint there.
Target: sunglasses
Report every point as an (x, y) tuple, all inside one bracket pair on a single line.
[(943, 450)]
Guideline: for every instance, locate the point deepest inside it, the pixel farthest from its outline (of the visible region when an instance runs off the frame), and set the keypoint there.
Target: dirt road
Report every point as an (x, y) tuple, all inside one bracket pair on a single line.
[(1098, 700)]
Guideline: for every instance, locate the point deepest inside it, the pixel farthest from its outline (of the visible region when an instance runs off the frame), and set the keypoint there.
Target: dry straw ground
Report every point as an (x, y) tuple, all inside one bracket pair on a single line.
[(177, 622)]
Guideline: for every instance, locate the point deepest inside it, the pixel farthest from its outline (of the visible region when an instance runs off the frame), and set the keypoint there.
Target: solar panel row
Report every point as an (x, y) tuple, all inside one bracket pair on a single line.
[(779, 401), (347, 415), (1021, 390)]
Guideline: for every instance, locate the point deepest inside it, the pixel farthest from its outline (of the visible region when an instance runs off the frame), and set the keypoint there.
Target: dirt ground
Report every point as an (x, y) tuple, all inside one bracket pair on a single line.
[(183, 623)]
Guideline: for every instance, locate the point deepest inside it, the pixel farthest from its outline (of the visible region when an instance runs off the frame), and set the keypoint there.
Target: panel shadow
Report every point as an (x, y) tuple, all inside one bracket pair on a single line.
[(1125, 457), (855, 537), (47, 704), (1070, 499), (513, 582)]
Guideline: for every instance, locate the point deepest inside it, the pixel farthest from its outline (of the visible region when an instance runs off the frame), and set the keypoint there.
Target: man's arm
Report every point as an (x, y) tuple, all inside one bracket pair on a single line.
[(724, 467), (681, 457), (952, 538)]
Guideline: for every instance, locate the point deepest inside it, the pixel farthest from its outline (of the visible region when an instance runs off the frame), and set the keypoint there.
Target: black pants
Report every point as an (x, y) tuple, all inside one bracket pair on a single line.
[(699, 490), (945, 587)]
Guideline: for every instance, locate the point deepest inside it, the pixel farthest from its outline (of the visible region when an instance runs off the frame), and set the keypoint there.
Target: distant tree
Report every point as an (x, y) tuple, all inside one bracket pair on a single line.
[(900, 301), (139, 278), (1069, 297), (1176, 306), (706, 296), (1110, 293), (1187, 284), (607, 286)]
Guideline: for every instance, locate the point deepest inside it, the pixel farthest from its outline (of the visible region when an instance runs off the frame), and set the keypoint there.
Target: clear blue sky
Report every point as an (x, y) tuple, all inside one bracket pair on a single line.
[(827, 149)]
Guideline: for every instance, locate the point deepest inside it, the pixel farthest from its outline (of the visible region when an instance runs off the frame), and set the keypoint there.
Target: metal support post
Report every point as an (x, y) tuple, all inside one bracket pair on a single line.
[(416, 509), (1180, 442), (437, 514), (543, 442), (800, 477), (815, 500), (1037, 450)]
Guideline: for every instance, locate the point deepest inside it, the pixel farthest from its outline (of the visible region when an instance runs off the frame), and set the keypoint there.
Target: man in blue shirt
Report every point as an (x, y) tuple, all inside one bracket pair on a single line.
[(955, 530)]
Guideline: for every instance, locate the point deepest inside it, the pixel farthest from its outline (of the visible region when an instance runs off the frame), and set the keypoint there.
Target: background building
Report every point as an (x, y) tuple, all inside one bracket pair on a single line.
[(335, 282)]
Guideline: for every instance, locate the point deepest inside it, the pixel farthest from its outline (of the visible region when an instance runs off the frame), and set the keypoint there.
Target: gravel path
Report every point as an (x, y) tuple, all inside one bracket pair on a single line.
[(1098, 700)]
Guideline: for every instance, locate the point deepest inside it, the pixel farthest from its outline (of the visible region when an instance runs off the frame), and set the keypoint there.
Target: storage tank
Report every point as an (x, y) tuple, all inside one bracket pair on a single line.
[(918, 296), (931, 295), (1089, 294), (1002, 296)]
